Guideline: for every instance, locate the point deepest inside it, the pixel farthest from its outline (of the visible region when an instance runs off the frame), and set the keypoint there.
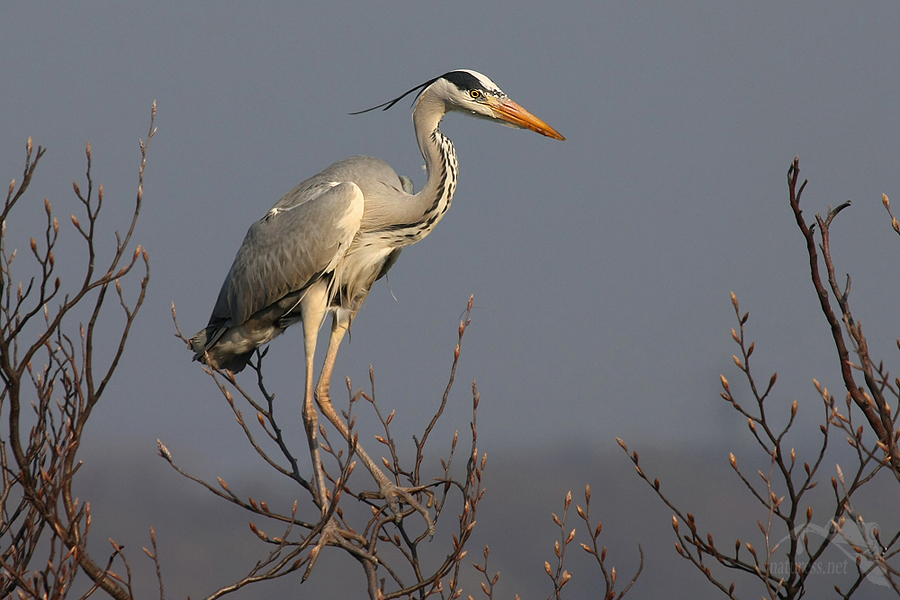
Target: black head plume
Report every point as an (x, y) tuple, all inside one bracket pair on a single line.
[(419, 89)]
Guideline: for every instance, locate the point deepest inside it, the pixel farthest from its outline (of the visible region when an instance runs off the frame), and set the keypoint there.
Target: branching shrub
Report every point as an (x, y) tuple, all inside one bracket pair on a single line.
[(52, 382)]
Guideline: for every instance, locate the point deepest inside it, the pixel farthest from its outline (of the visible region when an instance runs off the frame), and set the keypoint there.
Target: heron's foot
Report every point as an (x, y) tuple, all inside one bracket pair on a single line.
[(333, 535), (328, 536), (396, 495)]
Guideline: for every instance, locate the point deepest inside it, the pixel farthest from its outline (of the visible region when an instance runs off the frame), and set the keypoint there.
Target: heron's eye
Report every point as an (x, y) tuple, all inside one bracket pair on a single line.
[(475, 94)]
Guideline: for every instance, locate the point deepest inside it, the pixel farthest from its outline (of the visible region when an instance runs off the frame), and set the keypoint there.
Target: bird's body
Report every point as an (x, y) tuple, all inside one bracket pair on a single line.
[(326, 236), (323, 245)]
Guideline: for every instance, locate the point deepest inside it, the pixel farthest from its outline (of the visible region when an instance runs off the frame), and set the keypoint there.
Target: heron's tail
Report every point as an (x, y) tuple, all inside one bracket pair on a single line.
[(213, 356)]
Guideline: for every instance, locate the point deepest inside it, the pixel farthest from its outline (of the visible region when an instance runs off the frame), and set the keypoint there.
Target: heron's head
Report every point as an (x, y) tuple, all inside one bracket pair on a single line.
[(475, 94)]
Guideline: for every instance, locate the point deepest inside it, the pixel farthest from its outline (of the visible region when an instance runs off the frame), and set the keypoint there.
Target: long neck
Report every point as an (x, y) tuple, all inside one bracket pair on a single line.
[(416, 218)]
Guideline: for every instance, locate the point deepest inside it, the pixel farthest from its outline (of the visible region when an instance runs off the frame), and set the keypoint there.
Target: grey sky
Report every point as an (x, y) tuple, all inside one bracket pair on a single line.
[(601, 266)]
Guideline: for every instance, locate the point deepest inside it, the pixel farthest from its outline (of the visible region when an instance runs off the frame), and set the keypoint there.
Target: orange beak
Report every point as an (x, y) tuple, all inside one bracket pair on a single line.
[(517, 116)]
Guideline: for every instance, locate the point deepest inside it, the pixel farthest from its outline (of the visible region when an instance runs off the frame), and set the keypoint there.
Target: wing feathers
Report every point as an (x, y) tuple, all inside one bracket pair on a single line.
[(290, 247)]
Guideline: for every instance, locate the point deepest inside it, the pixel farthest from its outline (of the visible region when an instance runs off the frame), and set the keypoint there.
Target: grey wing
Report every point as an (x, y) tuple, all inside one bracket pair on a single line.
[(288, 249)]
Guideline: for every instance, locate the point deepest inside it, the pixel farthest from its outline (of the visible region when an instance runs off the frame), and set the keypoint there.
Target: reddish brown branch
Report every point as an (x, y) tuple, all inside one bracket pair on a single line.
[(872, 404), (44, 460)]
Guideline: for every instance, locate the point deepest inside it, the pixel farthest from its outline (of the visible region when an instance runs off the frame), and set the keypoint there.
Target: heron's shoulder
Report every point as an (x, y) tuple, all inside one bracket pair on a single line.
[(364, 171), (320, 202), (359, 169), (376, 178)]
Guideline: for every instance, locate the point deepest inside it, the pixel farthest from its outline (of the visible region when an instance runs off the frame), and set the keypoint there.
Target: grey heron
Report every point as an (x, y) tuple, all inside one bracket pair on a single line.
[(323, 245)]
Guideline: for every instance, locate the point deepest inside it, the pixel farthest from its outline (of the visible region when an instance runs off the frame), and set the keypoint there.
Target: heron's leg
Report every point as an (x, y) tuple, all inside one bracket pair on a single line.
[(313, 308), (390, 491), (339, 326)]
